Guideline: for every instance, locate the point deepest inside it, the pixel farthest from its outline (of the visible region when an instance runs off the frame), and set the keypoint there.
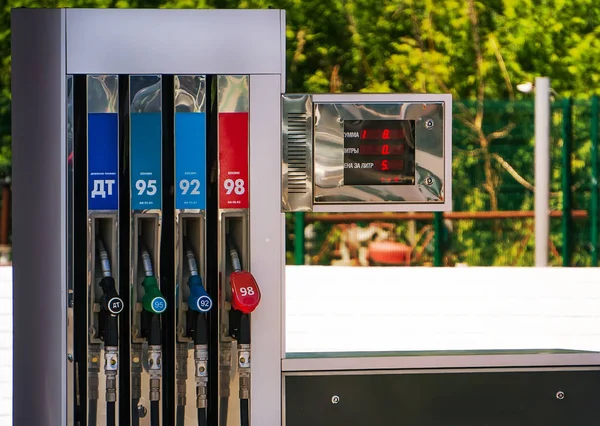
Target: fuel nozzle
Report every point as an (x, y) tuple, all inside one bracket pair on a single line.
[(200, 302), (154, 304), (245, 297), (153, 300), (111, 305)]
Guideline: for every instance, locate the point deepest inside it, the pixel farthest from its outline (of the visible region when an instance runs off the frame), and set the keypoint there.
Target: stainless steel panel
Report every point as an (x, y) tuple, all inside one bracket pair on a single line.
[(267, 235), (171, 41), (103, 93), (233, 93), (449, 361), (429, 153), (39, 167), (145, 93), (296, 167), (190, 93)]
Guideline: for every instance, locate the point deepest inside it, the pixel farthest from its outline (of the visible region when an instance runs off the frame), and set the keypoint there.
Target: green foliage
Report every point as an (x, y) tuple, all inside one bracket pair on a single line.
[(477, 50)]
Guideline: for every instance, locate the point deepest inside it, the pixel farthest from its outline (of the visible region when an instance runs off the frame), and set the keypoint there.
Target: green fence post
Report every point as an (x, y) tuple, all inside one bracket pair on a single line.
[(594, 187), (567, 218), (438, 239), (299, 238)]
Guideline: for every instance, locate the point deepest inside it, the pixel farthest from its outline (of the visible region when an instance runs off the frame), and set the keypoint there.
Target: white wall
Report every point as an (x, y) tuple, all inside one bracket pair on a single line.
[(337, 308)]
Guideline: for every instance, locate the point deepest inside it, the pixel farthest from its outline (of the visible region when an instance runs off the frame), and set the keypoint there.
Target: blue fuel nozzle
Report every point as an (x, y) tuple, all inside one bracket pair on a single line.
[(199, 300)]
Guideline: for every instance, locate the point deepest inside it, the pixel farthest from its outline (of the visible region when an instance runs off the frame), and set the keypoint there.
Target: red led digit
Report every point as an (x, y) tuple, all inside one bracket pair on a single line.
[(385, 149), (386, 134)]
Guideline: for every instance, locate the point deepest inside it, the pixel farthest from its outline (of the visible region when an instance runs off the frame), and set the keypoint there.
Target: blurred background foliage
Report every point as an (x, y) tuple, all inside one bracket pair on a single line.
[(478, 51)]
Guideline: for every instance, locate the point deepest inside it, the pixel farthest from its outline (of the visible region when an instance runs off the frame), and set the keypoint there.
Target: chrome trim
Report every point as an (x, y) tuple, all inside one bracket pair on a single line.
[(190, 93), (297, 155), (103, 93), (408, 362), (69, 302), (233, 93), (430, 152)]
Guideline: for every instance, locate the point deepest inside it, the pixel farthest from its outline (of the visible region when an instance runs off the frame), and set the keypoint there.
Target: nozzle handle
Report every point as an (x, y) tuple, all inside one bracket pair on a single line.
[(153, 300), (199, 300)]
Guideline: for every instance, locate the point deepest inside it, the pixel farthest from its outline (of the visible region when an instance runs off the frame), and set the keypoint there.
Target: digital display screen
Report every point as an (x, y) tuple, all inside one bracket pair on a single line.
[(379, 152)]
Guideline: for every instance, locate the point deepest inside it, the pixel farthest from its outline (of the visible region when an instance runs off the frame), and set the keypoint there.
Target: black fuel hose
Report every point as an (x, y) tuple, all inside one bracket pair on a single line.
[(154, 411), (93, 412), (135, 415), (224, 409), (244, 412), (180, 415), (202, 417), (110, 414)]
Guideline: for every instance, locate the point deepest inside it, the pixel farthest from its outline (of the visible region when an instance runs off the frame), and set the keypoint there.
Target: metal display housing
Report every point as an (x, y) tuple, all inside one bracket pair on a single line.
[(313, 160), (47, 46)]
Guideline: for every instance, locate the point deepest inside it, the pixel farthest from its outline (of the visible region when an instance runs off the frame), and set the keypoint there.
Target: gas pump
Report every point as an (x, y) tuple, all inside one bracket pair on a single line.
[(152, 165)]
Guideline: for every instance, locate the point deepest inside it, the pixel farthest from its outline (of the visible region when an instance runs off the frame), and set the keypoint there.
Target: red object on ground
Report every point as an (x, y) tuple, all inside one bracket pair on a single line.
[(389, 253)]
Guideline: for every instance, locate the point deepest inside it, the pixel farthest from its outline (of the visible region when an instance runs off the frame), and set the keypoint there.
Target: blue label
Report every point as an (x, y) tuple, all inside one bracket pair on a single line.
[(146, 158), (103, 161), (159, 304), (204, 303), (190, 160)]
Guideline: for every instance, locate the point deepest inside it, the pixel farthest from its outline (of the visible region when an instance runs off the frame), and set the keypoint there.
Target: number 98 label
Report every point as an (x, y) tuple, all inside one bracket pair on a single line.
[(233, 160)]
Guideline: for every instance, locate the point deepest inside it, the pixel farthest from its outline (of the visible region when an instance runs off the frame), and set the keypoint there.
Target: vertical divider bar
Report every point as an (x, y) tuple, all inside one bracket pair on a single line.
[(212, 251), (167, 258), (124, 256), (79, 245)]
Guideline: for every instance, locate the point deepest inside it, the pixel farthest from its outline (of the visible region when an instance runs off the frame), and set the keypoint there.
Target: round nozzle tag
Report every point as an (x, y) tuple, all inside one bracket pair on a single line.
[(245, 294), (115, 305), (198, 300), (159, 305)]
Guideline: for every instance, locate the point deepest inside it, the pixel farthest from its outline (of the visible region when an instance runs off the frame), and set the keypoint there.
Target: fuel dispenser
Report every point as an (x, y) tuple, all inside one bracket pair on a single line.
[(152, 165)]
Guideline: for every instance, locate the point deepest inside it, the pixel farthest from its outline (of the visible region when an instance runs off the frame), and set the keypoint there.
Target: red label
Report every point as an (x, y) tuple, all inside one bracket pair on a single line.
[(233, 160), (245, 294)]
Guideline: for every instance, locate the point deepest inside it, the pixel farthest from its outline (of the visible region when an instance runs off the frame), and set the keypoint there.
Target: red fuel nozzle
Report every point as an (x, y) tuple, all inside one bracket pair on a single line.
[(245, 294)]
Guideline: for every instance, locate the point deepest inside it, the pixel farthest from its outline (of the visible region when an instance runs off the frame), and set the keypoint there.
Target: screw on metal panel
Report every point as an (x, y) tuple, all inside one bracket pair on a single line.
[(560, 395), (70, 357), (335, 399), (429, 180), (429, 124)]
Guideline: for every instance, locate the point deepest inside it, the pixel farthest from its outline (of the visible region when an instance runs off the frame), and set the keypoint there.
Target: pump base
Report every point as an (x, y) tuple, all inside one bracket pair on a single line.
[(516, 397)]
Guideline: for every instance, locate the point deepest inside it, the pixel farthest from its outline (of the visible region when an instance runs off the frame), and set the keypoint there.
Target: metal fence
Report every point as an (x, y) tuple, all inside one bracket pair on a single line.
[(493, 197)]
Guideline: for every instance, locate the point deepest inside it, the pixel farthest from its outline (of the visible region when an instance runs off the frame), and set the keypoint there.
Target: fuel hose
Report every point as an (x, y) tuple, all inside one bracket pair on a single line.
[(153, 304), (111, 307), (200, 303)]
